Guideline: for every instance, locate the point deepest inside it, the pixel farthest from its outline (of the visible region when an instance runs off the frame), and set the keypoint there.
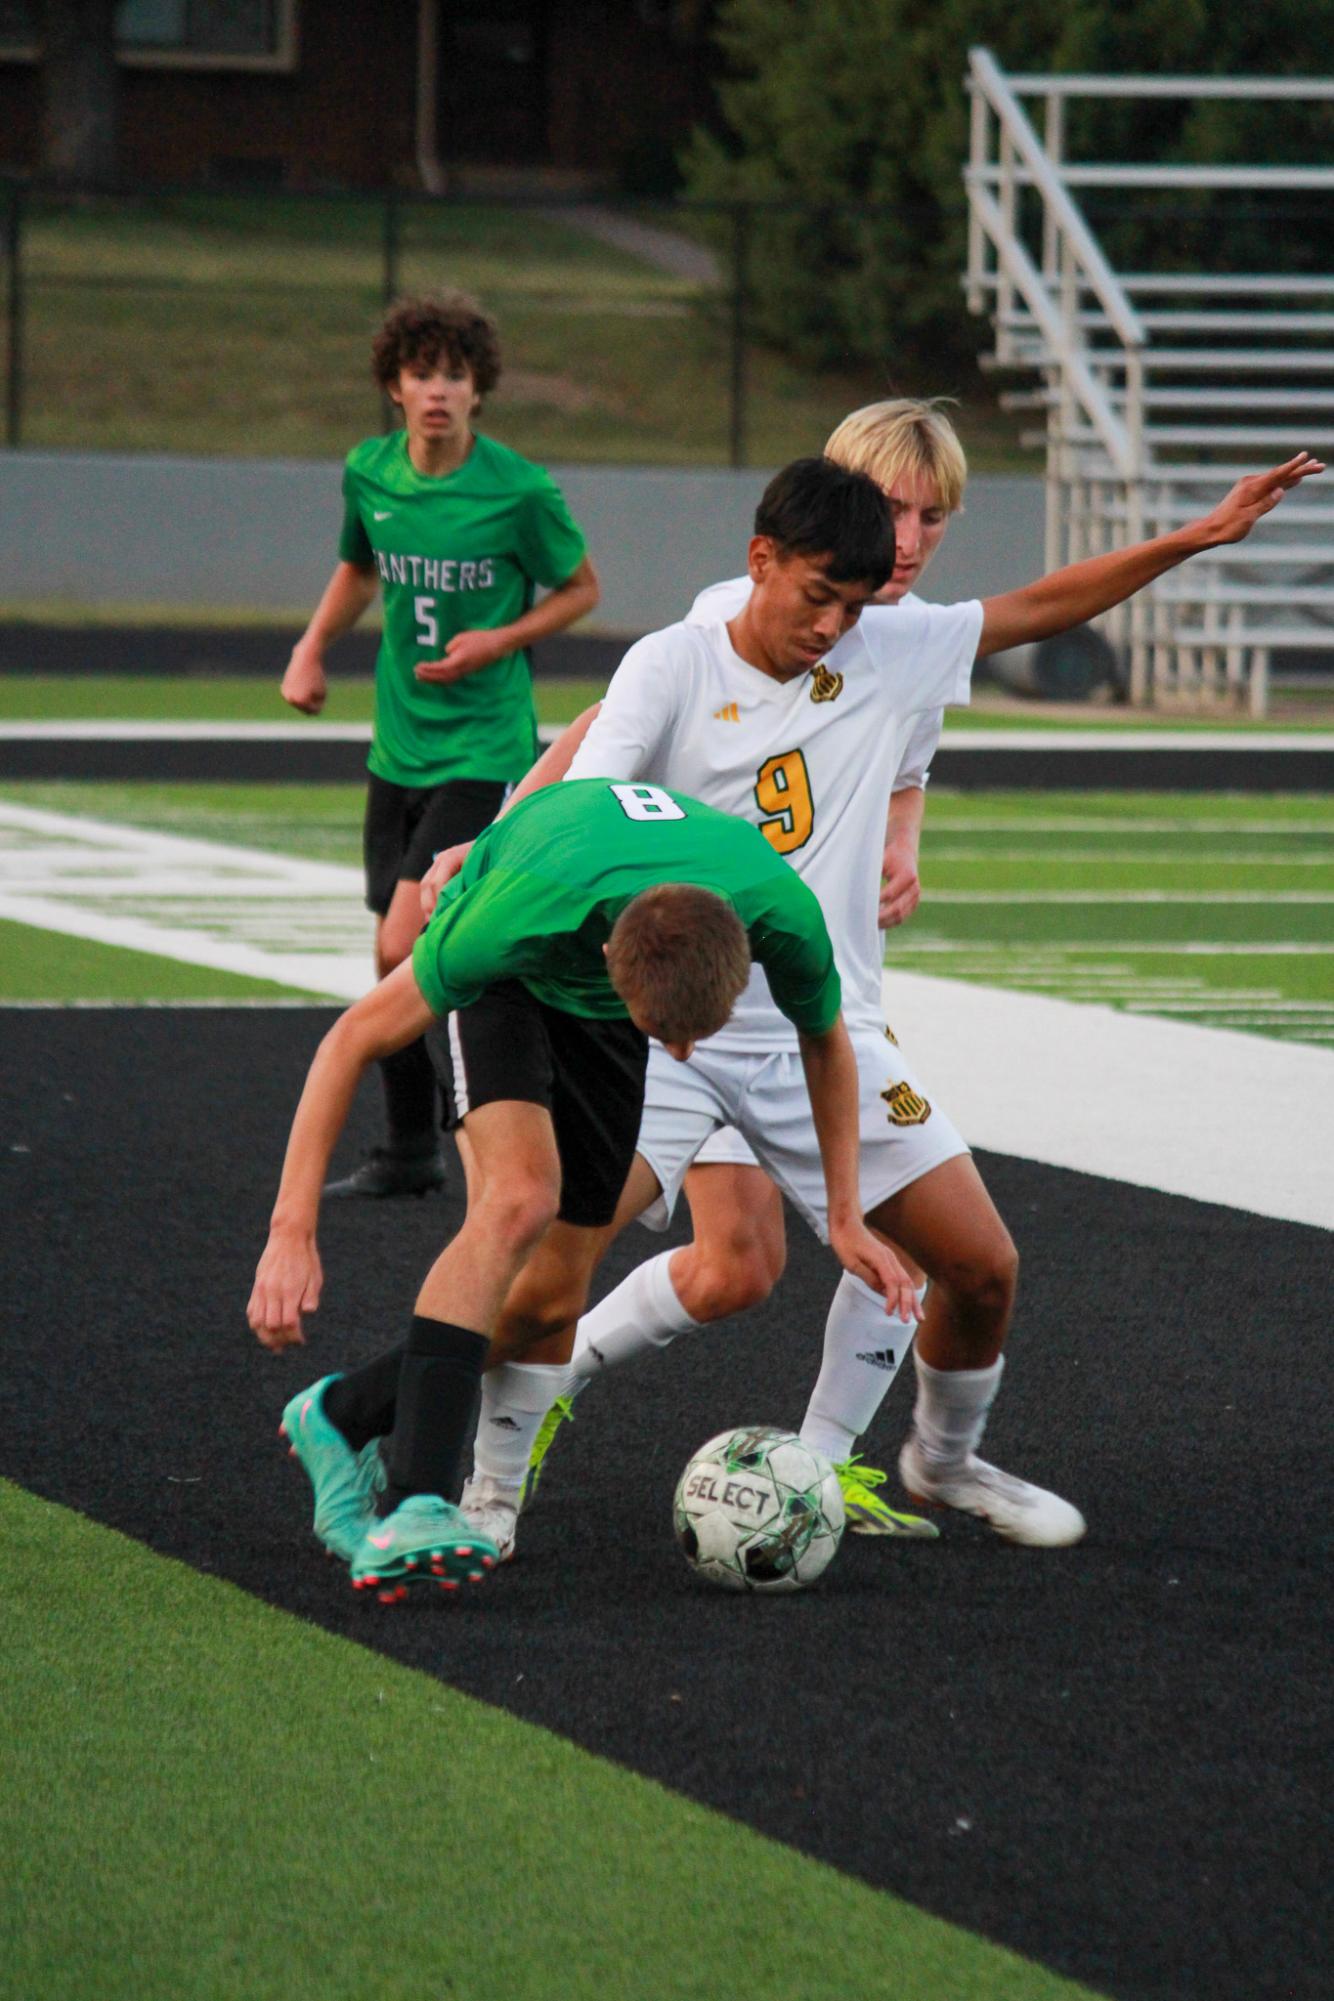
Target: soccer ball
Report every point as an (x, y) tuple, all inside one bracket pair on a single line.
[(756, 1510)]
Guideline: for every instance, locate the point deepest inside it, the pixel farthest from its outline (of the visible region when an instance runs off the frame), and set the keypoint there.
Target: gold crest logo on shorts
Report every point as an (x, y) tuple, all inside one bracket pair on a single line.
[(906, 1106), (890, 1035), (825, 687)]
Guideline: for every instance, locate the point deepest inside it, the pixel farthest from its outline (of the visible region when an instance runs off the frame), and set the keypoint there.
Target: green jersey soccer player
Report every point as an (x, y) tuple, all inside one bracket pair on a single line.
[(457, 533), (593, 915)]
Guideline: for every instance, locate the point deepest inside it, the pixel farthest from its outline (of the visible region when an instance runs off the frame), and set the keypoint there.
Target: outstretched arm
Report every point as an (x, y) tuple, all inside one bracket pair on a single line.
[(288, 1278), (1082, 590), (831, 1080)]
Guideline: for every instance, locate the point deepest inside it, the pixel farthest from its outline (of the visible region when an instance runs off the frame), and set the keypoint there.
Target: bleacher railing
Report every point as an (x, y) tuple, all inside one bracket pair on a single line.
[(1161, 385)]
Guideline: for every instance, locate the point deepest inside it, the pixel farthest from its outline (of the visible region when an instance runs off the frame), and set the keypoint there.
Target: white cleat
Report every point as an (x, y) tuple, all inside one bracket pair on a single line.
[(1015, 1508), (492, 1509)]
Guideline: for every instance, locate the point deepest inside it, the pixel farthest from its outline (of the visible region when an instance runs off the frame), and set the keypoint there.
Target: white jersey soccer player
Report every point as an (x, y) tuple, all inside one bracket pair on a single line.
[(794, 715), (812, 762), (921, 736)]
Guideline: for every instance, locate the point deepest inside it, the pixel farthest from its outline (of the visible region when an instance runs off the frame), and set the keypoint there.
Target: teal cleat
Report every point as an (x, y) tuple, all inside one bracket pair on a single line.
[(345, 1482), (867, 1514), (424, 1541)]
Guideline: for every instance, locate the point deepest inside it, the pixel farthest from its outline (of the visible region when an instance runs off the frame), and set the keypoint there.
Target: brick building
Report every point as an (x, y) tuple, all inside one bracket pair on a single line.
[(364, 93)]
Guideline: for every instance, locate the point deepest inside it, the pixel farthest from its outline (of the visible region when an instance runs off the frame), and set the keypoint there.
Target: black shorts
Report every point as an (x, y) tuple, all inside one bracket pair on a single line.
[(406, 826), (588, 1074)]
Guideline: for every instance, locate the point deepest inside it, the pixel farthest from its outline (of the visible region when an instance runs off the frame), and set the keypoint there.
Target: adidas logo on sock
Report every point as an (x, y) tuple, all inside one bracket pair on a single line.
[(880, 1358), (504, 1424)]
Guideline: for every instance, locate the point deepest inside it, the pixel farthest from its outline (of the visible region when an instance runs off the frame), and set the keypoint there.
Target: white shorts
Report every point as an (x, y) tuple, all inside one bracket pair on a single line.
[(754, 1110)]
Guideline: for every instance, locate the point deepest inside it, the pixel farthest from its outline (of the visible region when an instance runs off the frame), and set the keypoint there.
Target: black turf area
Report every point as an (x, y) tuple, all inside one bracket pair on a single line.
[(1108, 1758)]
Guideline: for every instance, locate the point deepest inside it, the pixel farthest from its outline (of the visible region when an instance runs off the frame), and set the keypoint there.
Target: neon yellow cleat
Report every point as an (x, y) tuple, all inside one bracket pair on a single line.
[(867, 1514)]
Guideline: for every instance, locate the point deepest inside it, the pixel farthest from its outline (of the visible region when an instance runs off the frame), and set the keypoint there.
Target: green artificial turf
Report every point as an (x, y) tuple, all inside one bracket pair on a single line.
[(226, 698), (38, 965), (232, 698), (206, 1798), (1211, 908)]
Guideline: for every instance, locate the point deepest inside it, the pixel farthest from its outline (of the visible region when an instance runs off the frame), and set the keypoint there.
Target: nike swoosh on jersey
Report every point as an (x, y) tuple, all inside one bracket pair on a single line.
[(381, 514)]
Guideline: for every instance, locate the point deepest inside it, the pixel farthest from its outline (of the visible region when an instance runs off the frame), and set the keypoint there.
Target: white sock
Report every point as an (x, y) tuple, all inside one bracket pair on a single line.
[(952, 1408), (515, 1399), (642, 1314), (864, 1348)]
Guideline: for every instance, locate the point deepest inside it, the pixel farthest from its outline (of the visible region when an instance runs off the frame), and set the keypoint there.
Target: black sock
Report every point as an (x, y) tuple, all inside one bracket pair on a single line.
[(437, 1394), (361, 1403), (408, 1077)]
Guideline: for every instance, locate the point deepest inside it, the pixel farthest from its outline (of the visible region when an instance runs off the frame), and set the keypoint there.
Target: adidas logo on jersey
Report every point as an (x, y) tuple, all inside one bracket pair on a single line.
[(879, 1358), (729, 713)]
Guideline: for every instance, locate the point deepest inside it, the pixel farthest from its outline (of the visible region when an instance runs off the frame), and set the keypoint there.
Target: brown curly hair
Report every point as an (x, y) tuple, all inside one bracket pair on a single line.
[(441, 323)]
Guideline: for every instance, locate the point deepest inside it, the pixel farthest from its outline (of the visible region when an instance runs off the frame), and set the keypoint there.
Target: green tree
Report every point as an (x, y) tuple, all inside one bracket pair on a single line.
[(857, 112)]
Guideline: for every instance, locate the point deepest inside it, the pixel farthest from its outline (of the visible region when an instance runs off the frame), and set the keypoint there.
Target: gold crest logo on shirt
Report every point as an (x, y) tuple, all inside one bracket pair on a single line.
[(825, 687), (890, 1035), (906, 1106)]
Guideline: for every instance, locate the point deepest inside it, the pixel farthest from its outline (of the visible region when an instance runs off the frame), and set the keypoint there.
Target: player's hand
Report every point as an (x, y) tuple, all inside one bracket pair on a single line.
[(442, 870), (862, 1253), (304, 685), (900, 888), (288, 1281), (1251, 498), (465, 653)]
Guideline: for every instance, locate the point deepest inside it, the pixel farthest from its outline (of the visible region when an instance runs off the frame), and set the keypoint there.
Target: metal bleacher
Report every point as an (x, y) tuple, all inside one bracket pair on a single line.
[(1161, 386)]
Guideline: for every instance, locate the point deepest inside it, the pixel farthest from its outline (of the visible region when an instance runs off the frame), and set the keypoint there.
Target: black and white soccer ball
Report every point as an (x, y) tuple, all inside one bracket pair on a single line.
[(756, 1510)]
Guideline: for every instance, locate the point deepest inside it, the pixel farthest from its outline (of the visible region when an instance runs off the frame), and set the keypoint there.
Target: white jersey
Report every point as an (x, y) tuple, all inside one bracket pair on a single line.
[(919, 745), (811, 761)]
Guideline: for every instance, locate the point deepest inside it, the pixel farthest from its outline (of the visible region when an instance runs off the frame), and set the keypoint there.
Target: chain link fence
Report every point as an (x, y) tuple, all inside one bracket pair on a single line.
[(239, 324)]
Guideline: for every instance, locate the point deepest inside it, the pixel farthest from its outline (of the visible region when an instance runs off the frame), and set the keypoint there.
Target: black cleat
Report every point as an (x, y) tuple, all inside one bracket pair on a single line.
[(385, 1173)]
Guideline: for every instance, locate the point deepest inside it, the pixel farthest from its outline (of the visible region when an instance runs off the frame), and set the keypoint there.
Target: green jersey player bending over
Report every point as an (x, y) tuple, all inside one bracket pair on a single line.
[(457, 532), (594, 915)]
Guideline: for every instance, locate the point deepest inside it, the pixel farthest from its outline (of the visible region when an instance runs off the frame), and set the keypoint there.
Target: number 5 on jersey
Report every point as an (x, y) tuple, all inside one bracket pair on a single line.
[(783, 789), (428, 626)]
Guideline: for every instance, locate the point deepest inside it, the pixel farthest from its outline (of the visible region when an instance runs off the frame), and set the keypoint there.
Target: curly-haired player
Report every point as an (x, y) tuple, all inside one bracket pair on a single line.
[(458, 532)]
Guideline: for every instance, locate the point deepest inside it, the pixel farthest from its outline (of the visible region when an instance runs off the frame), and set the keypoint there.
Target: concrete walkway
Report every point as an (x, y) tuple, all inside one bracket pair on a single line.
[(665, 249)]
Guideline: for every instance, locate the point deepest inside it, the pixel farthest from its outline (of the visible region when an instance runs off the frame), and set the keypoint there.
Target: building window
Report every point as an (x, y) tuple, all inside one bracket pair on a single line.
[(176, 34)]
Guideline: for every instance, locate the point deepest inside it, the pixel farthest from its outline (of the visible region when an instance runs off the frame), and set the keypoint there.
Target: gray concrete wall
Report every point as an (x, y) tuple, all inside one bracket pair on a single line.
[(260, 536)]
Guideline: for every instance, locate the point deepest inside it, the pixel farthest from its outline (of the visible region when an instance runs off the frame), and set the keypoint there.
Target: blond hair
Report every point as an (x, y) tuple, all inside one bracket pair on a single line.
[(901, 439), (679, 956)]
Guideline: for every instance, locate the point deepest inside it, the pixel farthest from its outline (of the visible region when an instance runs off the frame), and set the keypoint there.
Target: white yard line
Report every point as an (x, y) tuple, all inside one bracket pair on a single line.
[(1202, 1112), (1228, 896), (204, 903)]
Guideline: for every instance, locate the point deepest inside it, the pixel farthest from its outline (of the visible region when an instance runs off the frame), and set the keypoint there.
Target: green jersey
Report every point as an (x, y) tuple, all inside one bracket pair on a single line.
[(454, 554), (539, 893)]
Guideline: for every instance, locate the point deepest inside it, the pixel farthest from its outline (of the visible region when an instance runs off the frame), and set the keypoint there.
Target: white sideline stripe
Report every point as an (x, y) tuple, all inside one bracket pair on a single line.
[(1262, 896), (68, 864), (1134, 948), (343, 977), (1204, 1112), (1123, 858), (77, 731), (1004, 823), (85, 833)]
